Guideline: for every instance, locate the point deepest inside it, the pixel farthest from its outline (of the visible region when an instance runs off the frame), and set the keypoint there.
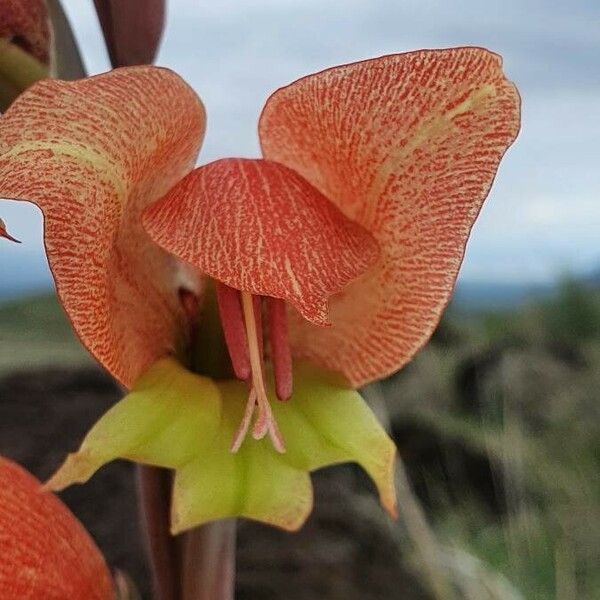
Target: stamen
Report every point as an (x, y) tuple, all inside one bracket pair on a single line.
[(265, 422), (234, 331), (281, 357)]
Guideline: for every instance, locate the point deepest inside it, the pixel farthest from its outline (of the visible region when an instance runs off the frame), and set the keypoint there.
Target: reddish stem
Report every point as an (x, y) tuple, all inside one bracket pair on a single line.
[(154, 492), (208, 562)]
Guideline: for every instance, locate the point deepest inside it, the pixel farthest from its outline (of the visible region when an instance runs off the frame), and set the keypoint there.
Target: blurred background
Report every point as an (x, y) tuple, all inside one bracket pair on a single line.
[(497, 419)]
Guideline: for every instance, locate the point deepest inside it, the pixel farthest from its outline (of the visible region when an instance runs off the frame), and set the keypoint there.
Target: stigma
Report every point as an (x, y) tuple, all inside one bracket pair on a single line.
[(242, 322)]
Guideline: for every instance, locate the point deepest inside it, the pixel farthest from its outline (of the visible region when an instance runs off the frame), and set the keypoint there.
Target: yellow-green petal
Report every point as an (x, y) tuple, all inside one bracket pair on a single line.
[(166, 420), (186, 422)]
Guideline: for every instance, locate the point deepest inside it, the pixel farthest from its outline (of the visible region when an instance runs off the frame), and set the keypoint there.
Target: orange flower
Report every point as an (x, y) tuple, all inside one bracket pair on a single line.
[(351, 230), (24, 46), (46, 553), (25, 24)]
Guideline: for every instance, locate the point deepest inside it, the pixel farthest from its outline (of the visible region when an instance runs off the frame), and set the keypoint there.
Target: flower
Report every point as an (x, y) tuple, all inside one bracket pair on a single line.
[(24, 46), (24, 23), (46, 553), (346, 237)]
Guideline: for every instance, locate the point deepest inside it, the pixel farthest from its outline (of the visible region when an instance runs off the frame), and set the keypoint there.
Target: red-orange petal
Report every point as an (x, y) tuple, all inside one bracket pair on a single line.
[(132, 29), (407, 145), (92, 154), (26, 24), (44, 550), (259, 227)]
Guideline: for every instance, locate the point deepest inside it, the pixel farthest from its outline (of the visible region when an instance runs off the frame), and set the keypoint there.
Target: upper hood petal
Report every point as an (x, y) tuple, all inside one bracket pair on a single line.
[(407, 145), (259, 227), (92, 154)]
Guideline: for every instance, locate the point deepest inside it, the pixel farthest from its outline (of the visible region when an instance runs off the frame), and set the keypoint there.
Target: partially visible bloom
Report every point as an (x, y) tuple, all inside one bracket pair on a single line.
[(44, 550), (25, 24), (350, 231), (132, 29), (24, 46)]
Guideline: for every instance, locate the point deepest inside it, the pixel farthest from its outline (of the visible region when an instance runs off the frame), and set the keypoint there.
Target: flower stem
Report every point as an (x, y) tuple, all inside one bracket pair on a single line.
[(208, 562), (199, 564), (154, 493)]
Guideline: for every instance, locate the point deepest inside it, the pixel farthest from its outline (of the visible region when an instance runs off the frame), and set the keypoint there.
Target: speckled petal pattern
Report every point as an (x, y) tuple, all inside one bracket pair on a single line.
[(259, 227), (408, 146), (92, 154)]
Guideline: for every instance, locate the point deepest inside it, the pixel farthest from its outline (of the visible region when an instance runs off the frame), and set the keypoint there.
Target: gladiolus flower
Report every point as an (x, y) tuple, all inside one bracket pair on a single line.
[(333, 258), (24, 46), (46, 553), (25, 24)]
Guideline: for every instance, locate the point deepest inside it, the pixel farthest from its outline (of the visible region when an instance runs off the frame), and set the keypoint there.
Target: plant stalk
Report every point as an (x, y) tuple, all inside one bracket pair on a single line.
[(208, 562), (154, 493), (199, 564)]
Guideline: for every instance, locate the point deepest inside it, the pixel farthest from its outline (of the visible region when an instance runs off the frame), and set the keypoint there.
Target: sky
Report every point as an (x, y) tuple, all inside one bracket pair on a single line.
[(542, 218)]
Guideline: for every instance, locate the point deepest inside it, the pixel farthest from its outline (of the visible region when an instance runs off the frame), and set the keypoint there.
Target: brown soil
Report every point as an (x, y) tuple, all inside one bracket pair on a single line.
[(344, 551)]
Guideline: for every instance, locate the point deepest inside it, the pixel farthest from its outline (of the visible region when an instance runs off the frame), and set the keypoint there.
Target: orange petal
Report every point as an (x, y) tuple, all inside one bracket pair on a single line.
[(408, 146), (92, 154), (132, 29), (25, 23), (46, 553), (259, 227)]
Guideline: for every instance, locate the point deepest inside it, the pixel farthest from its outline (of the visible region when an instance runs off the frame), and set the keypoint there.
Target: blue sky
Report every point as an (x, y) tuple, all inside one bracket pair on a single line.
[(543, 215)]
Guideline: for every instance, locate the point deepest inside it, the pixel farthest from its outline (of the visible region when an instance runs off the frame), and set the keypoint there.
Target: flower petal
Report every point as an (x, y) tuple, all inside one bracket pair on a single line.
[(186, 422), (407, 145), (25, 23), (92, 154), (132, 29), (46, 553), (259, 227)]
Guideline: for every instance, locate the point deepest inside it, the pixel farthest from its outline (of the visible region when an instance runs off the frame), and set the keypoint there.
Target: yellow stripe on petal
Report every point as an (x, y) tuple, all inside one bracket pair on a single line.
[(186, 422)]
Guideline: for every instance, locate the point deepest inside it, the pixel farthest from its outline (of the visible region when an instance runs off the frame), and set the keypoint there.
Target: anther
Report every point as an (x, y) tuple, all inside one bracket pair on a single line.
[(281, 357), (234, 330)]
